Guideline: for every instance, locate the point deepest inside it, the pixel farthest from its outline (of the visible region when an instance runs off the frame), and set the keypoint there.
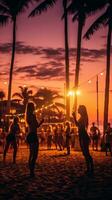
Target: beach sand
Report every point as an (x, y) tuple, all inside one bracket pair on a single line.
[(58, 176)]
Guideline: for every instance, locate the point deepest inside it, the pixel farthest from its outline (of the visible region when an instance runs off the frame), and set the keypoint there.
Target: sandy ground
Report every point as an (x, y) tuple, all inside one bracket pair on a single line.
[(58, 177)]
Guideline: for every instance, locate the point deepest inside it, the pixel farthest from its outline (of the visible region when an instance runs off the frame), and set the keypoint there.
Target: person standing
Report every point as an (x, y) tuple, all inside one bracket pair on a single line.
[(32, 138), (49, 137), (108, 139), (67, 133), (95, 135), (84, 139), (11, 139)]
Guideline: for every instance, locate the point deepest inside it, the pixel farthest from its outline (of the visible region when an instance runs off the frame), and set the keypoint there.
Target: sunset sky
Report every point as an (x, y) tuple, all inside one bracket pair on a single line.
[(40, 57)]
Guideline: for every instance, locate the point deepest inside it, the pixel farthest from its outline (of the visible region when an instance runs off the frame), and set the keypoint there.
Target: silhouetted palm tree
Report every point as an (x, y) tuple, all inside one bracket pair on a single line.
[(43, 6), (81, 9), (25, 95), (47, 97), (9, 10), (2, 95), (104, 20)]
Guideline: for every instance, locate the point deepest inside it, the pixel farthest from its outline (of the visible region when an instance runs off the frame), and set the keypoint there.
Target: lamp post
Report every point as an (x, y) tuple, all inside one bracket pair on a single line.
[(97, 100), (97, 96)]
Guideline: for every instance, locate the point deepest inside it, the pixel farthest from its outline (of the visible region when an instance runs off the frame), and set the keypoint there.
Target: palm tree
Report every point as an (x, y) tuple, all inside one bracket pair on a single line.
[(43, 6), (47, 97), (2, 95), (81, 9), (9, 10), (104, 20), (25, 95)]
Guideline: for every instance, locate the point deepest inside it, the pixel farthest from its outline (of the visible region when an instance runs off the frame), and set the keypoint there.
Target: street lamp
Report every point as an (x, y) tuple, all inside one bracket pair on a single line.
[(73, 93), (97, 95)]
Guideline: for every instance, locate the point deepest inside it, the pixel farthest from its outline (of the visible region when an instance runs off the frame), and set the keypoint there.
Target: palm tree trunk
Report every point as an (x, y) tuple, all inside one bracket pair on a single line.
[(80, 26), (66, 59), (107, 83), (12, 65)]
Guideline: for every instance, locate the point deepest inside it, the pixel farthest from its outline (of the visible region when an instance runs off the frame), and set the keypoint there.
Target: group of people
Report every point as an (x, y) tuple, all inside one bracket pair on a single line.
[(33, 140), (58, 135)]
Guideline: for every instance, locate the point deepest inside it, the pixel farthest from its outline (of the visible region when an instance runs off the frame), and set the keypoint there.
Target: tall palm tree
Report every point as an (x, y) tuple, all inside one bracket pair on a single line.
[(104, 20), (25, 95), (43, 6), (9, 10), (81, 9)]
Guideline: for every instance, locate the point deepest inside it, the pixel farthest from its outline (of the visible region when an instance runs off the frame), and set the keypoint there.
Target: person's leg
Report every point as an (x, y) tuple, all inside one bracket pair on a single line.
[(34, 156), (14, 150), (88, 158), (68, 148), (97, 144), (30, 155), (93, 144), (106, 149), (6, 150), (110, 149)]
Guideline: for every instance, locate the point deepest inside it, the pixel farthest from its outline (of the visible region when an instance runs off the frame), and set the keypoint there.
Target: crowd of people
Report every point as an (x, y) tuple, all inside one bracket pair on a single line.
[(60, 136)]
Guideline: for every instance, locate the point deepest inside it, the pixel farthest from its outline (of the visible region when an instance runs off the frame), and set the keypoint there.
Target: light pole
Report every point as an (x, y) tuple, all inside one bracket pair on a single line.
[(97, 95), (97, 100)]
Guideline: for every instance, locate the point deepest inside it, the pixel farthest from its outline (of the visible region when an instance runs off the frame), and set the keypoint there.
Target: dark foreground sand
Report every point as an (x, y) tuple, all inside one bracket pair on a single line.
[(58, 177)]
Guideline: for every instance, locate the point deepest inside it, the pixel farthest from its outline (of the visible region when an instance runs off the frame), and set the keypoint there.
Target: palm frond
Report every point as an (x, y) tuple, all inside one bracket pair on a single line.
[(22, 5), (75, 17), (3, 9), (3, 20), (61, 105), (95, 5), (42, 7), (29, 92), (101, 21), (58, 97), (17, 95), (72, 8)]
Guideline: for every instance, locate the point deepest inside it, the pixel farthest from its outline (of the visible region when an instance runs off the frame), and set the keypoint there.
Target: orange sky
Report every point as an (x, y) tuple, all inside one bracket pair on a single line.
[(40, 57)]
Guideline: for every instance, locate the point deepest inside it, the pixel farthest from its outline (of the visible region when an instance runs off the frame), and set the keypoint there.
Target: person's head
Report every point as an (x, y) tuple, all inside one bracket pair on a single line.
[(30, 108), (108, 125), (83, 112), (93, 123), (67, 124), (16, 120)]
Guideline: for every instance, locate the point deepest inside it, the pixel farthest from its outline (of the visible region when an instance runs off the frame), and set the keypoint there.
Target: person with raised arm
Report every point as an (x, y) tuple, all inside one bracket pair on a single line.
[(82, 124), (32, 137)]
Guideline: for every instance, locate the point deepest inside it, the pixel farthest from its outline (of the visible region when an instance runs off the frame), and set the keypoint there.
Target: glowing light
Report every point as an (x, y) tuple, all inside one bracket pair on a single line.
[(70, 93), (89, 81), (5, 83), (24, 85), (101, 73), (78, 92)]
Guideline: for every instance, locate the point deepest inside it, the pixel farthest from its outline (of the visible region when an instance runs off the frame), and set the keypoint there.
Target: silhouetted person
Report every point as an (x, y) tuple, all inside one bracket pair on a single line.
[(108, 139), (95, 134), (11, 138), (55, 136), (72, 138), (60, 137), (67, 132), (49, 137), (84, 139), (32, 138)]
